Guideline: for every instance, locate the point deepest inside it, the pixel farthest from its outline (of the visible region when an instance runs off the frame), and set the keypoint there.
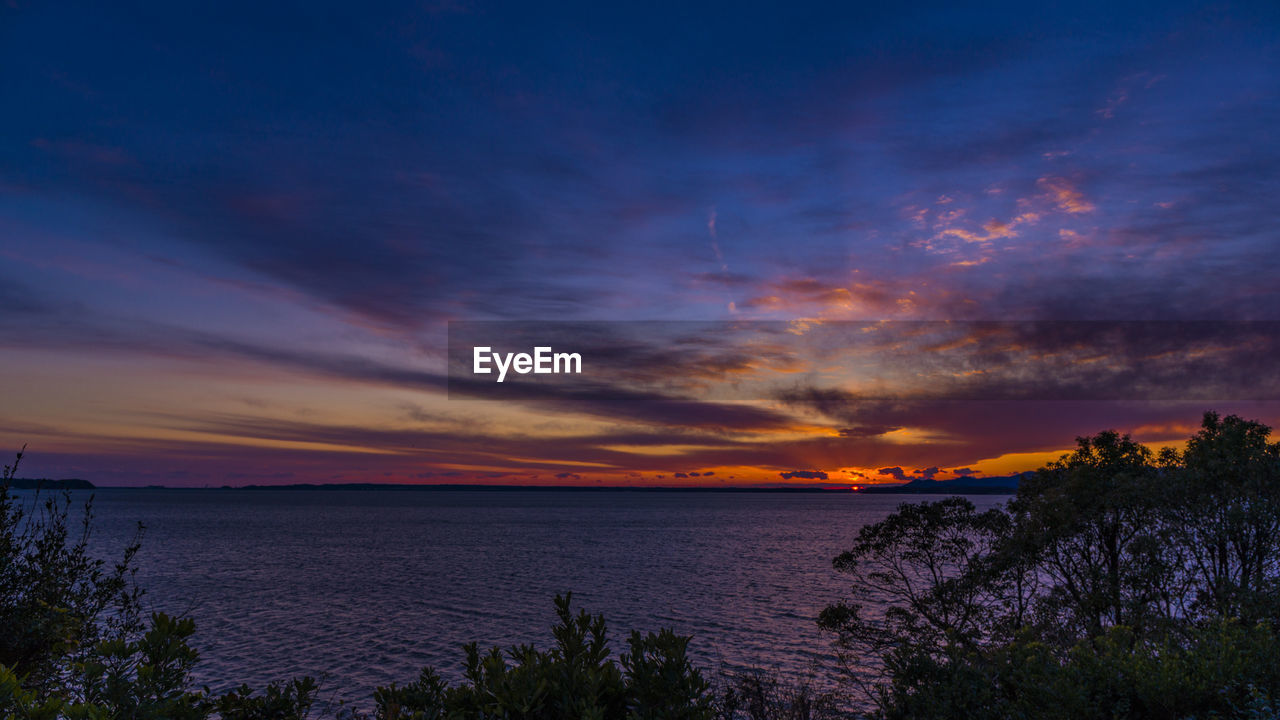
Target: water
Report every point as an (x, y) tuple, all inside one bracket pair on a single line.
[(364, 588)]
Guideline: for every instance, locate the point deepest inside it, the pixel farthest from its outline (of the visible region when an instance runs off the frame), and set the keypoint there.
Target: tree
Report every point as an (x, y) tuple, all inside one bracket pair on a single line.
[(1116, 583), (1088, 523), (1227, 517), (924, 566)]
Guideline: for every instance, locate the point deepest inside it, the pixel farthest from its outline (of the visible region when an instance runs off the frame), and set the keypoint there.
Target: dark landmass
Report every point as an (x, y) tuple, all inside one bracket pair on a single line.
[(959, 486), (1001, 485), (535, 488), (64, 484)]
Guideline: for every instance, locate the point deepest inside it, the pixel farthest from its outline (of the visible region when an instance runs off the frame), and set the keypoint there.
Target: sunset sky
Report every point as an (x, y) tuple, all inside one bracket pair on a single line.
[(233, 235)]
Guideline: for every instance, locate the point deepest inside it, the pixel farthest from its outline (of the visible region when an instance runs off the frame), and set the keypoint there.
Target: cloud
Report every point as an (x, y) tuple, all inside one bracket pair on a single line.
[(977, 417), (803, 474), (895, 472), (808, 294), (866, 431), (726, 279), (1065, 195), (77, 329), (826, 169)]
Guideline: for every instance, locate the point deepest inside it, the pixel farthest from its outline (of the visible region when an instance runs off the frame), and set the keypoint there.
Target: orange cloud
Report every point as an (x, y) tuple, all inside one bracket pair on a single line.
[(1065, 195), (805, 293)]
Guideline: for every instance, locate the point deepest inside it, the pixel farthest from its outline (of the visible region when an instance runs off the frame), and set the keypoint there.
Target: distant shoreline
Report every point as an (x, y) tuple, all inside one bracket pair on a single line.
[(458, 487), (960, 486), (64, 484)]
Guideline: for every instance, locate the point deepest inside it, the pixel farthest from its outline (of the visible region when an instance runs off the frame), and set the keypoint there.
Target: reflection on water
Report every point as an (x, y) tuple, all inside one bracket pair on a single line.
[(364, 588)]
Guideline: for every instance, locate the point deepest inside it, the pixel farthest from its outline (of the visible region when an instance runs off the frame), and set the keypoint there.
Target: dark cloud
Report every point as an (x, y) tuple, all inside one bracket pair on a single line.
[(505, 182), (974, 428), (726, 279), (867, 431), (1043, 361), (804, 474), (895, 472), (78, 329)]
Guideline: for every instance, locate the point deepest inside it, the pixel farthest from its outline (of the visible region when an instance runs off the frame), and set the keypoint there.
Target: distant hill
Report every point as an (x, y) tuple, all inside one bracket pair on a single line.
[(1000, 485), (65, 484)]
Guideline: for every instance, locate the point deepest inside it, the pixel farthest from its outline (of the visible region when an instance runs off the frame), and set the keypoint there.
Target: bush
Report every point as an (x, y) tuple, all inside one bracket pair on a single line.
[(759, 695), (576, 678), (57, 602)]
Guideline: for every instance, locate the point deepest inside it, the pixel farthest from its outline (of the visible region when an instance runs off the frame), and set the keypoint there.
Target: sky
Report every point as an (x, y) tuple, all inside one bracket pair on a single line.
[(233, 236)]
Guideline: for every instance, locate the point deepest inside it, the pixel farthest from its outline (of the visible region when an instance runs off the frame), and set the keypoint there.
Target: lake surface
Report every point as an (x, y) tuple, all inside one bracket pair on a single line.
[(363, 588)]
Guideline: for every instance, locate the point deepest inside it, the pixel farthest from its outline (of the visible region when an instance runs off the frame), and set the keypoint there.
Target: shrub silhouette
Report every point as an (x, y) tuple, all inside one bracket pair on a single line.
[(576, 678), (56, 600)]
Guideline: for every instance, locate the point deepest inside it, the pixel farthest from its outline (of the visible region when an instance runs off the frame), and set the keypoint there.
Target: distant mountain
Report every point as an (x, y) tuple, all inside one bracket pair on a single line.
[(65, 484), (968, 485)]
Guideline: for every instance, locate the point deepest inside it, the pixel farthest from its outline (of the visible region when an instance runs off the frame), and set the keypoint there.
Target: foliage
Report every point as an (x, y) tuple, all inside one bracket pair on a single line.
[(289, 701), (762, 696), (917, 562), (1227, 517), (57, 601), (576, 678), (1116, 583), (1087, 524), (1218, 670), (74, 644), (145, 678)]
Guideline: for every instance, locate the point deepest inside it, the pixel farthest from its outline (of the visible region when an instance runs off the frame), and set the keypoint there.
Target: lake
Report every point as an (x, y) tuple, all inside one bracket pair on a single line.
[(363, 588)]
